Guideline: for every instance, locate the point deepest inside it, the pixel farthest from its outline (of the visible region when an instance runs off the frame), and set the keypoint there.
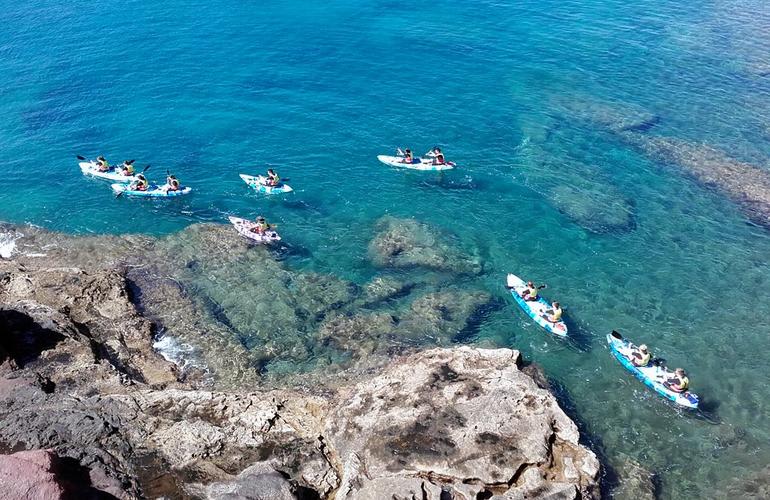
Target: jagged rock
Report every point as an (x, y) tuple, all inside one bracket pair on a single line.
[(405, 243), (258, 482), (466, 419), (745, 184)]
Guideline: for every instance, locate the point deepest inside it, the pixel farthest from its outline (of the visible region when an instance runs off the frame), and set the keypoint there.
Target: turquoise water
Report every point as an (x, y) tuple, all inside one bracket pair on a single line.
[(212, 89)]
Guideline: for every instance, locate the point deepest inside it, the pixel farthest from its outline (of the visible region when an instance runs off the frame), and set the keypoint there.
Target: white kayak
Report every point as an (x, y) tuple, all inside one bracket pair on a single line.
[(653, 374), (258, 183), (539, 310), (417, 163), (245, 226), (113, 174), (154, 191)]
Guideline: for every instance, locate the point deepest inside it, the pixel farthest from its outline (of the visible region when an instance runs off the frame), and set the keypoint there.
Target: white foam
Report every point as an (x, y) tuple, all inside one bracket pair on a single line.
[(174, 351), (8, 244)]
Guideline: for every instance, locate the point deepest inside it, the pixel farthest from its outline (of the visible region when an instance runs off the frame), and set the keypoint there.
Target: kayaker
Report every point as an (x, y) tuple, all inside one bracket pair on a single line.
[(437, 155), (679, 382), (261, 227), (530, 293), (172, 183), (140, 184), (127, 168), (272, 178), (102, 164), (407, 155), (640, 356), (556, 313)]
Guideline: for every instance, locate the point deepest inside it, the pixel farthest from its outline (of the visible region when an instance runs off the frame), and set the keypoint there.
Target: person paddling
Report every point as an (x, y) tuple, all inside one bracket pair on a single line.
[(437, 155), (407, 155), (140, 184), (530, 293), (640, 356), (679, 382), (261, 227), (102, 164), (172, 183), (127, 168), (555, 313), (272, 179)]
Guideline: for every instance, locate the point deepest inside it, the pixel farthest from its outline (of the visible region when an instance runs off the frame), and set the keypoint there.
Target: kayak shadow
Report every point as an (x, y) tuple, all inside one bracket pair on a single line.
[(578, 337), (442, 181)]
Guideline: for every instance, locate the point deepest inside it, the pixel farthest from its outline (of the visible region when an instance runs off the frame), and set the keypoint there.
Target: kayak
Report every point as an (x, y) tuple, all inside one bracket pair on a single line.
[(113, 174), (653, 375), (417, 163), (154, 191), (244, 226), (258, 183), (536, 309)]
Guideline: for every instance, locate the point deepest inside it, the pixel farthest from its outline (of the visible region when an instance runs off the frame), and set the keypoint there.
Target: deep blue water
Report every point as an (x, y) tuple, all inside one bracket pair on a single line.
[(212, 89)]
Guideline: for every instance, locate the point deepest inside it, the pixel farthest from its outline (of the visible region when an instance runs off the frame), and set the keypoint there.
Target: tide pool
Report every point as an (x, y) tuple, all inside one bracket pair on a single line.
[(527, 97)]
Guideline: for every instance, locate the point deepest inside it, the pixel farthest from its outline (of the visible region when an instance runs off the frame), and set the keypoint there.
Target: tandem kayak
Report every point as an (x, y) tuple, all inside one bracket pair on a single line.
[(258, 183), (244, 227), (154, 191), (417, 163), (653, 375), (538, 309), (113, 174)]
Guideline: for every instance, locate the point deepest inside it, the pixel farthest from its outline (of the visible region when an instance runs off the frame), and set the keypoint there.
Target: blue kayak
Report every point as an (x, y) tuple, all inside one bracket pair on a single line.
[(154, 191), (258, 182), (538, 310), (652, 375)]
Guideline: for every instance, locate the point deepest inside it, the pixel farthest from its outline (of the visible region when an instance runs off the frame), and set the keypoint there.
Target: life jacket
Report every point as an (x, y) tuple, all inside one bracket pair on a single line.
[(684, 384), (103, 166), (142, 185), (173, 184), (531, 293), (262, 226), (129, 169), (440, 159), (644, 360), (408, 158), (556, 316)]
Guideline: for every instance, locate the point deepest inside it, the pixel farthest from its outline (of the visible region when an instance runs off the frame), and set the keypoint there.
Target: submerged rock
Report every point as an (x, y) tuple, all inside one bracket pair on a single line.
[(442, 316), (593, 206), (405, 243), (636, 482), (579, 191), (613, 116), (745, 184)]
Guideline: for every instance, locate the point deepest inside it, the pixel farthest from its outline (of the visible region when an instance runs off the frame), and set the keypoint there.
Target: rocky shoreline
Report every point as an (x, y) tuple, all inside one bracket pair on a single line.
[(91, 410)]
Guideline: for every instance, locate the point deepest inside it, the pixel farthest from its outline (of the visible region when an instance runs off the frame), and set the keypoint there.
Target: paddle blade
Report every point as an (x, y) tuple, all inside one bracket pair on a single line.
[(130, 162), (81, 158), (146, 168), (617, 335)]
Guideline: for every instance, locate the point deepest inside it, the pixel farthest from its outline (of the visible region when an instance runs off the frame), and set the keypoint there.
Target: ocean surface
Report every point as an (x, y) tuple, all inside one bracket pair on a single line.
[(524, 96)]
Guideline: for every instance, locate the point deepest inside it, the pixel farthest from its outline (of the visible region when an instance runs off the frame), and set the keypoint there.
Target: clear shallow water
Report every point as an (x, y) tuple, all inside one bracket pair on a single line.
[(212, 89)]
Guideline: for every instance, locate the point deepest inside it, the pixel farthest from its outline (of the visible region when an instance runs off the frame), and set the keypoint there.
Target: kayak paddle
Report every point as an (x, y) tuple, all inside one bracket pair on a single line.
[(617, 335), (81, 158)]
